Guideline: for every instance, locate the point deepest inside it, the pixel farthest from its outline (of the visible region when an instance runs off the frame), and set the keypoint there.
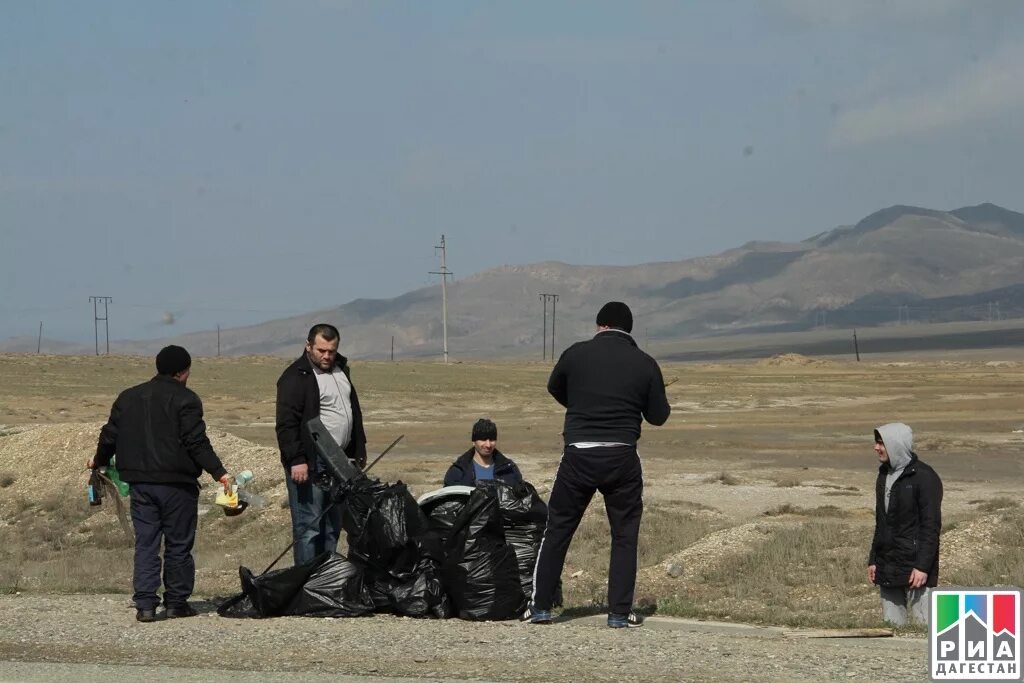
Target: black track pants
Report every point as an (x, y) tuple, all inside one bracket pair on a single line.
[(614, 471)]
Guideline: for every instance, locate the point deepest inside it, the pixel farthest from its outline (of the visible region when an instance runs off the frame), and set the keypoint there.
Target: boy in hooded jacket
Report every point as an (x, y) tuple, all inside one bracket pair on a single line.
[(904, 557)]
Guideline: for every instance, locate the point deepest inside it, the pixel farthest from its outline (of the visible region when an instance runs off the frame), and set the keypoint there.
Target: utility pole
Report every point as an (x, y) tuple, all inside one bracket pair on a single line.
[(554, 303), (544, 343), (392, 348), (218, 340), (39, 342), (96, 301), (856, 349), (444, 273), (544, 333)]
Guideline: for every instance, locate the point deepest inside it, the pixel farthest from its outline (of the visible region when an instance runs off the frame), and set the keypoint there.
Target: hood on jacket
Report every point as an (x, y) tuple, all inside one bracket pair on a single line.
[(898, 439)]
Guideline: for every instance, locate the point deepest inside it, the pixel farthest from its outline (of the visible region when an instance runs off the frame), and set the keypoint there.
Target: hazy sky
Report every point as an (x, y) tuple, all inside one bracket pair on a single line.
[(228, 162)]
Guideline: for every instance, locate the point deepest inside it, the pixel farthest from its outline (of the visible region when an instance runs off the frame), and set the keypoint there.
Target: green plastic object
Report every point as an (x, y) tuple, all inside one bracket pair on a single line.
[(122, 486)]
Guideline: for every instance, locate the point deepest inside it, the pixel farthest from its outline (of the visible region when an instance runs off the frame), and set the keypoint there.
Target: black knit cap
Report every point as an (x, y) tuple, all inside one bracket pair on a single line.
[(485, 429), (616, 314), (172, 359)]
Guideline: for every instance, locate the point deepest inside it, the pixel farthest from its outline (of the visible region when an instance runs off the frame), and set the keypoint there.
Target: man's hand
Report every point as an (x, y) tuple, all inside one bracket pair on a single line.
[(917, 578), (90, 464), (871, 572), (227, 481), (300, 473)]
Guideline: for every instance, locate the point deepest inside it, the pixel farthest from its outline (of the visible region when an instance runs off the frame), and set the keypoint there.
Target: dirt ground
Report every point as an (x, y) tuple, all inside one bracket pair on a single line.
[(762, 478)]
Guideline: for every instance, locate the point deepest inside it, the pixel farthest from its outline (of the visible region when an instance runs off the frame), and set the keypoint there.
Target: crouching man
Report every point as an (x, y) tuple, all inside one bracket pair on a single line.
[(904, 559), (483, 460)]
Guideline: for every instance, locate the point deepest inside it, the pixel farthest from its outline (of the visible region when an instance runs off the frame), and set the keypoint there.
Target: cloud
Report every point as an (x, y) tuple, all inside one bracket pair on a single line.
[(846, 12), (436, 168), (577, 52), (981, 92)]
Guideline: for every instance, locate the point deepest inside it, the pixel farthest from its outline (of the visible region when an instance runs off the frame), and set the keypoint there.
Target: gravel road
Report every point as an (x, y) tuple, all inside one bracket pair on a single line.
[(95, 630)]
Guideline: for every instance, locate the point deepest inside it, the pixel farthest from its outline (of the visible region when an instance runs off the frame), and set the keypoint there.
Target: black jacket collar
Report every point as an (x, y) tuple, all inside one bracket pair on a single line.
[(303, 365), (615, 336), (465, 461), (911, 467)]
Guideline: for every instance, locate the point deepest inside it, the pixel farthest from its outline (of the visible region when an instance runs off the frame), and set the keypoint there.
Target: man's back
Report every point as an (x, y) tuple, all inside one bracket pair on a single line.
[(607, 385), (157, 431)]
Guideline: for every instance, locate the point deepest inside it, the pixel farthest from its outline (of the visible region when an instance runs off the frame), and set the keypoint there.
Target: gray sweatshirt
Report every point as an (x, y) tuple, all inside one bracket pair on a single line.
[(898, 439)]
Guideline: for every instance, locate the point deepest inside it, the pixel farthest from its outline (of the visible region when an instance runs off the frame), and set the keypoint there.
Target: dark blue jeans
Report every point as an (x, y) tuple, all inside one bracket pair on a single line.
[(167, 513), (312, 538)]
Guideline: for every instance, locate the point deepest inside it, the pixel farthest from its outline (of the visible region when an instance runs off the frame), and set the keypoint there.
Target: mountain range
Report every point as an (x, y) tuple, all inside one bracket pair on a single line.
[(900, 264)]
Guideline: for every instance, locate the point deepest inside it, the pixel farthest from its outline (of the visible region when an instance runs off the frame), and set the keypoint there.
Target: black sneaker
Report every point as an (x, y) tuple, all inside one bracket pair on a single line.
[(541, 616), (146, 615), (180, 611), (631, 620)]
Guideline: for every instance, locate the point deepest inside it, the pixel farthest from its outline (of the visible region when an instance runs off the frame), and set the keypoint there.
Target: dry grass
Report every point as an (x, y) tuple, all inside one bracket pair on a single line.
[(1003, 565), (820, 511), (813, 574), (995, 504), (724, 478), (663, 531)]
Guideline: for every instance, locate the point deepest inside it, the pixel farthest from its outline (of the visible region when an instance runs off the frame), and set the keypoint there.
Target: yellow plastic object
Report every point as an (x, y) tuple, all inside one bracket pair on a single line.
[(227, 500)]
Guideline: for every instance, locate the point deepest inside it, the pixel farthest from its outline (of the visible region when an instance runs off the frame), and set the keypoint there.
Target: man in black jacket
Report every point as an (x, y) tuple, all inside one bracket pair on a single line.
[(904, 557), (317, 384), (607, 385), (156, 429), (483, 460)]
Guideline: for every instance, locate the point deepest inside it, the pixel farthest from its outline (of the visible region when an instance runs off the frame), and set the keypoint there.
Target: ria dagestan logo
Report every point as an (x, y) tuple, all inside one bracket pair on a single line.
[(975, 634)]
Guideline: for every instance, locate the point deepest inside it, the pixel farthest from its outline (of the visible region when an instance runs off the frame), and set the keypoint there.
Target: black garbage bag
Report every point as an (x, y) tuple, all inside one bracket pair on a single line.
[(329, 585), (525, 541), (381, 520), (333, 589), (519, 503), (238, 607), (524, 516), (419, 592), (442, 516), (390, 536), (481, 572)]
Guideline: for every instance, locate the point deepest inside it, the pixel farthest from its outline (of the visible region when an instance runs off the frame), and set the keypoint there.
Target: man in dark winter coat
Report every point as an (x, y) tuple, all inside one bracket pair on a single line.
[(157, 432), (608, 386), (904, 558), (317, 384), (483, 460)]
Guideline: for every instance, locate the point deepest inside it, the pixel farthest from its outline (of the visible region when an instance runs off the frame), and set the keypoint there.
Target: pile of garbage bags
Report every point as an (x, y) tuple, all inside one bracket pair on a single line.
[(463, 552)]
